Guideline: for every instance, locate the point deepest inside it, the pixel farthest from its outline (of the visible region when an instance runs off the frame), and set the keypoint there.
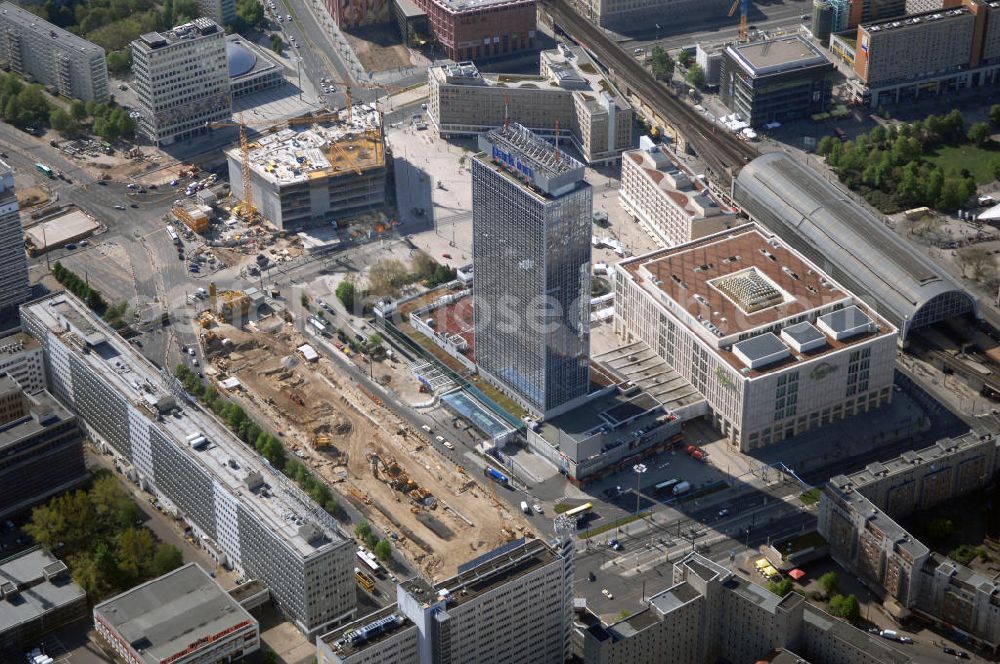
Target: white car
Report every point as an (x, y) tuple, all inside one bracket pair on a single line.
[(289, 18), (537, 508), (448, 445), (119, 207), (425, 428), (191, 352), (439, 439)]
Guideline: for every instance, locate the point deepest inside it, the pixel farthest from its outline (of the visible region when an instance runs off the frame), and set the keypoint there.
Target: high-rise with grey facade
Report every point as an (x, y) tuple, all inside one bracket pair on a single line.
[(182, 80), (14, 287), (39, 50), (247, 516), (222, 12), (531, 218)]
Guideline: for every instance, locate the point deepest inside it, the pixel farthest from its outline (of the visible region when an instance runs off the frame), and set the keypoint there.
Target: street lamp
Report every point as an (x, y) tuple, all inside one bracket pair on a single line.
[(639, 469)]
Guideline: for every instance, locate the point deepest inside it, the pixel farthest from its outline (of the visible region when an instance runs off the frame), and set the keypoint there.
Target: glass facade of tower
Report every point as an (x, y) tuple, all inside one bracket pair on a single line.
[(531, 253)]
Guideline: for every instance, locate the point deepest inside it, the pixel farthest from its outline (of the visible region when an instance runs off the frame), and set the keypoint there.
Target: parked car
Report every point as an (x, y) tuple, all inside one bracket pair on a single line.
[(448, 445)]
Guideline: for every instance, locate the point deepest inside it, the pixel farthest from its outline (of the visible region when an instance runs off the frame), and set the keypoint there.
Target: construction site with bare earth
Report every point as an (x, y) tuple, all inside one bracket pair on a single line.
[(437, 513)]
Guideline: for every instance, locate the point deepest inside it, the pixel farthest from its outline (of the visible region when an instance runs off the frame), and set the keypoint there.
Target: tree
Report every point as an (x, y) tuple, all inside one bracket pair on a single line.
[(995, 115), (685, 58), (134, 550), (825, 145), (662, 63), (695, 76), (119, 62), (979, 133), (979, 261), (780, 588), (845, 607), (277, 44), (955, 125), (63, 122), (386, 277), (78, 110), (249, 15), (166, 559), (346, 294), (952, 195), (830, 583), (383, 550), (422, 264), (362, 530), (374, 342)]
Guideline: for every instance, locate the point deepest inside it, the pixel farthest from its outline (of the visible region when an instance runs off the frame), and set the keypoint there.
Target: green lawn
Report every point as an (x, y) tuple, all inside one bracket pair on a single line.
[(981, 162), (810, 497)]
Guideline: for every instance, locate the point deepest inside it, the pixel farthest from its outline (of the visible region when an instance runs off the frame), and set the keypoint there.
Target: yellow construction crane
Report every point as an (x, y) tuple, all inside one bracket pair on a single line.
[(247, 209)]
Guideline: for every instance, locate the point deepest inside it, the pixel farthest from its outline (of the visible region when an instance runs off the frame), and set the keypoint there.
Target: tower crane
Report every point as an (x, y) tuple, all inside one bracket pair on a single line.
[(744, 6)]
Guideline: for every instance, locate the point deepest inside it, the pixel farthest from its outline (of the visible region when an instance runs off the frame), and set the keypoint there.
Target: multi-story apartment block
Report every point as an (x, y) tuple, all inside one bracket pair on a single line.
[(307, 175), (248, 516), (181, 78), (46, 53), (632, 15), (22, 358), (14, 286), (823, 222), (774, 345), (856, 518), (668, 199), (511, 605), (182, 617), (531, 226), (776, 80), (568, 95), (709, 614), (41, 445), (222, 12), (934, 52)]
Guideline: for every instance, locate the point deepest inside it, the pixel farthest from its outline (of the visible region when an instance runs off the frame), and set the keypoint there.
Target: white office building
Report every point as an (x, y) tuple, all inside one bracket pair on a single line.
[(247, 516), (182, 80), (670, 202), (43, 52), (774, 345)]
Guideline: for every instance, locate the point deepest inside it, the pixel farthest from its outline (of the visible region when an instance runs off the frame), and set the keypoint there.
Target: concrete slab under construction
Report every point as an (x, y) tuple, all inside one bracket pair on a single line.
[(307, 174)]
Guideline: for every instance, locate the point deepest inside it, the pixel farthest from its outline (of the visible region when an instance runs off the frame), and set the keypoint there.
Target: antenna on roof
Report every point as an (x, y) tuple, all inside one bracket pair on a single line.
[(557, 139), (506, 116)]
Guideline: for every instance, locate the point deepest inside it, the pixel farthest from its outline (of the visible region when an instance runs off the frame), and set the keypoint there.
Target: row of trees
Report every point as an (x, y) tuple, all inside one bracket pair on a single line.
[(22, 104), (888, 166), (381, 547), (110, 122), (663, 66), (267, 444), (79, 287), (98, 533)]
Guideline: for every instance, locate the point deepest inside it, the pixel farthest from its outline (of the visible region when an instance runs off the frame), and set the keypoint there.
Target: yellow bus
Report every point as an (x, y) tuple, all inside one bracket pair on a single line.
[(579, 510)]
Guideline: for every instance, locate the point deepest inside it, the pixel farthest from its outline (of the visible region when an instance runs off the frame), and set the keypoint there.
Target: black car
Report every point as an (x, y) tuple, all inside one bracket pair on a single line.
[(962, 654), (133, 205), (949, 651), (102, 183)]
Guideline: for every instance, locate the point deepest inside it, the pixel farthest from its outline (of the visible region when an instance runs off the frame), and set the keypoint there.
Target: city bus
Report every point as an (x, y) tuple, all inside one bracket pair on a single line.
[(579, 510), (368, 559), (45, 170), (666, 487)]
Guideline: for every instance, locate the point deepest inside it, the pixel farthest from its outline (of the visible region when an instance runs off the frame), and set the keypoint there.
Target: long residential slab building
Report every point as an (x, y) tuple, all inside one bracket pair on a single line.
[(48, 54), (248, 516)]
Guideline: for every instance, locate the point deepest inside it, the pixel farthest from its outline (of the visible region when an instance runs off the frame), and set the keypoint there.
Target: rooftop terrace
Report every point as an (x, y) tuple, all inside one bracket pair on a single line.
[(732, 287)]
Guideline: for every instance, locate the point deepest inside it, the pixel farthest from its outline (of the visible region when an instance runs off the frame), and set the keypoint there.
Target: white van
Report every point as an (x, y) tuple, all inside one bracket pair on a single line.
[(525, 508)]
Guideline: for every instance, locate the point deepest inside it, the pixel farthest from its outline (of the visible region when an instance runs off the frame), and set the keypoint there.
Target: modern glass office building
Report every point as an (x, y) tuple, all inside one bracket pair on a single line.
[(531, 211)]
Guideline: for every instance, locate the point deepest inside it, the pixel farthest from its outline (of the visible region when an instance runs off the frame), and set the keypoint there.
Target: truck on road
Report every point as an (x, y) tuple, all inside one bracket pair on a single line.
[(496, 476)]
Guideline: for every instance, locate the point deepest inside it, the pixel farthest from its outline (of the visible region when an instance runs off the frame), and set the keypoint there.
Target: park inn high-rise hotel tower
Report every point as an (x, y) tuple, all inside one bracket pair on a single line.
[(531, 212)]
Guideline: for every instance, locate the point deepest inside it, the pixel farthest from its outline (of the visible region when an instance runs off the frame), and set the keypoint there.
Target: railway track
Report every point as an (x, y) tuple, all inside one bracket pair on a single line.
[(723, 153)]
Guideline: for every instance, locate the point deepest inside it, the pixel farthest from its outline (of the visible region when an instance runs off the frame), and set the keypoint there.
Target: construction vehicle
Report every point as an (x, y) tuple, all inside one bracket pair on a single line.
[(744, 6), (320, 441)]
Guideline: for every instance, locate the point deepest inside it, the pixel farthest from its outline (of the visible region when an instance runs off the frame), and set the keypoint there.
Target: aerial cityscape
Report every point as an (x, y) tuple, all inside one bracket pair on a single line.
[(499, 331)]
